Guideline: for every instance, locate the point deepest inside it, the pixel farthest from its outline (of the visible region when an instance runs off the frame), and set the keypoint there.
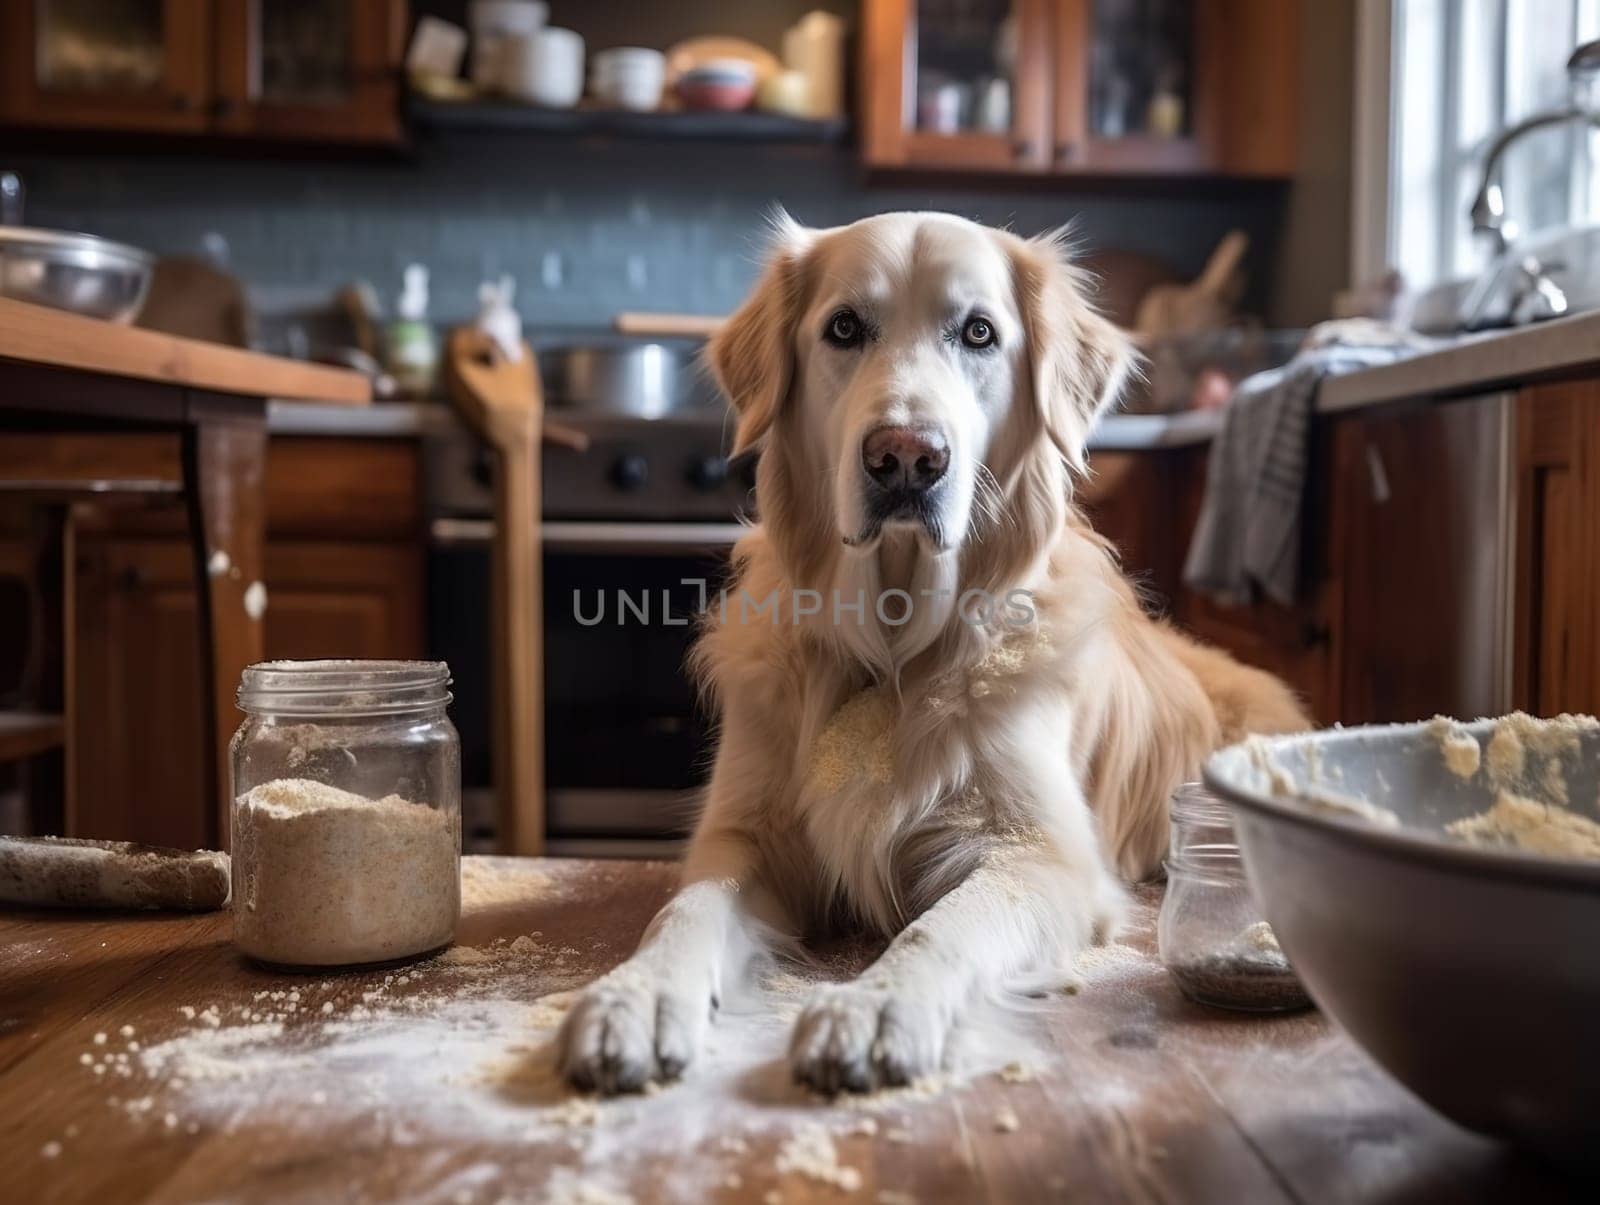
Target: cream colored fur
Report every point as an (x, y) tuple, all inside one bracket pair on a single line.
[(976, 791)]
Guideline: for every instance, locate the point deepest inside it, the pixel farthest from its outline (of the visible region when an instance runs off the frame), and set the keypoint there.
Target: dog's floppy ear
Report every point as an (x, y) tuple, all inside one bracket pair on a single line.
[(1079, 359), (751, 355)]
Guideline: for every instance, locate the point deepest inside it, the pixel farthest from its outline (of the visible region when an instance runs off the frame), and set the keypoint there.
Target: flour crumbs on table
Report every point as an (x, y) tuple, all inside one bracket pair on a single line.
[(456, 1050)]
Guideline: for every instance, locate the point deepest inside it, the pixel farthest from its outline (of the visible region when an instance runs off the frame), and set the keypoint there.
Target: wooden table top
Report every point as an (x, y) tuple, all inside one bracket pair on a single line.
[(142, 1059), (34, 334)]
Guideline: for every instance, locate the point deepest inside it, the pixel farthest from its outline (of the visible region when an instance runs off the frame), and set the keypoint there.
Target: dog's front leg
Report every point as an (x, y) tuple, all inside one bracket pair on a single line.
[(1023, 907), (646, 1020)]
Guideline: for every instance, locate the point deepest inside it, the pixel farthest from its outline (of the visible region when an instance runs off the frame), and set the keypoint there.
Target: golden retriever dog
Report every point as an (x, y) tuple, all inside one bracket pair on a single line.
[(944, 715)]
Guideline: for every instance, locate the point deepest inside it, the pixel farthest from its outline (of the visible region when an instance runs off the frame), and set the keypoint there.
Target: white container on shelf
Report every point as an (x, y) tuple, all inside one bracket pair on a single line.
[(628, 77), (814, 46), (492, 23), (545, 68)]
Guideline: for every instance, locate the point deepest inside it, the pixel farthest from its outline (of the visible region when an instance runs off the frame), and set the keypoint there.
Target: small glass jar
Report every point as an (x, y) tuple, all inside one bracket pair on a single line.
[(346, 812), (1213, 938)]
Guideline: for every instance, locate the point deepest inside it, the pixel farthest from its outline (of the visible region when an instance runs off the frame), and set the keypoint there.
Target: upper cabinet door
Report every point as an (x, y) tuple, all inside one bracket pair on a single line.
[(105, 64), (1176, 86), (957, 83), (316, 69), (1128, 92)]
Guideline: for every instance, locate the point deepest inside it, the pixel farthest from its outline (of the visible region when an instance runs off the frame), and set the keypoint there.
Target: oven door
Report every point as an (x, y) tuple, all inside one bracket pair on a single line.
[(627, 743), (627, 740)]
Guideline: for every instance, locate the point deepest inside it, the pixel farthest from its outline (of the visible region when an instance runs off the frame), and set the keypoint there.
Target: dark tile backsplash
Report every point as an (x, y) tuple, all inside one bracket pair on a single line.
[(587, 229)]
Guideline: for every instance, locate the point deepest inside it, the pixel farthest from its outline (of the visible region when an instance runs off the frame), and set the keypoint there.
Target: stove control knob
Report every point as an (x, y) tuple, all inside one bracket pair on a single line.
[(708, 473), (630, 472), (483, 469)]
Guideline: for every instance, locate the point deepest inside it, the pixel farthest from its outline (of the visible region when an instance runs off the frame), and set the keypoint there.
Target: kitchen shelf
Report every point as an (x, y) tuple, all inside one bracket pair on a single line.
[(747, 126)]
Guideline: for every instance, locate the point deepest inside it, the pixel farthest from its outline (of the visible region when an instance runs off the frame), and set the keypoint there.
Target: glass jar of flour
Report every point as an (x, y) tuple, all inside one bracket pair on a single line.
[(346, 812)]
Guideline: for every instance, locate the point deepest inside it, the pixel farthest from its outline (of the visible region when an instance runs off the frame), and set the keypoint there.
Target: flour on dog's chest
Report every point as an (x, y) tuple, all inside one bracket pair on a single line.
[(854, 745)]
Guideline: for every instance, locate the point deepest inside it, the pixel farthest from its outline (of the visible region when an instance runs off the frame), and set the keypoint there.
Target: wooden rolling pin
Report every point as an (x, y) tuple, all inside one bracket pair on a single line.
[(65, 872)]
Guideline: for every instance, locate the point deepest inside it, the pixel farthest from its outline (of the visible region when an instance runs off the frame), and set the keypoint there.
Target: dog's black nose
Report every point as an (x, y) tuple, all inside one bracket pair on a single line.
[(905, 458)]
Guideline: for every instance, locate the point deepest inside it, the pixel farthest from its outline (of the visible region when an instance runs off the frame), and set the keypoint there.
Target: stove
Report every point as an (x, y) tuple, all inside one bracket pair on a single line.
[(637, 509)]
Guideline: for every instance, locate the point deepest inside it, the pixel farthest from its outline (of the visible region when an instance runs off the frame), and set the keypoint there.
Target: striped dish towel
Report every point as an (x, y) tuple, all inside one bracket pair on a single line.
[(1248, 535)]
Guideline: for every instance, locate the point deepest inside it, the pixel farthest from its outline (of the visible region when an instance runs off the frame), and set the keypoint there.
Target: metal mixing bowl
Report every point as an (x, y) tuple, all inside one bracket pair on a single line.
[(76, 272), (1471, 974)]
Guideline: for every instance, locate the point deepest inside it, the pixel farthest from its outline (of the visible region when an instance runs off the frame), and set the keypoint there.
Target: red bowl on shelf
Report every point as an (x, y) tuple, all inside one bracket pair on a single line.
[(725, 86)]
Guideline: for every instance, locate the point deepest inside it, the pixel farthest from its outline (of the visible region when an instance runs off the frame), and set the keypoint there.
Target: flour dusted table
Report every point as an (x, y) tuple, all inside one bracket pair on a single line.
[(435, 1088)]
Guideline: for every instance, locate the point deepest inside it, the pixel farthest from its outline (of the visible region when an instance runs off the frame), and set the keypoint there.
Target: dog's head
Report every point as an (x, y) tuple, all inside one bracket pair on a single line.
[(902, 372)]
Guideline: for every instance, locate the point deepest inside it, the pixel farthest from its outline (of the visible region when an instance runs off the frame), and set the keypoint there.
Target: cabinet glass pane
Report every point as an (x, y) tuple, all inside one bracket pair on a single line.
[(305, 52), (1140, 68), (966, 60), (100, 45)]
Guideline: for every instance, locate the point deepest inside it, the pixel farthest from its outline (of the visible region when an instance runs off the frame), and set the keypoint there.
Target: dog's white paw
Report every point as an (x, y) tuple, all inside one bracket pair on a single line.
[(855, 1038), (629, 1029)]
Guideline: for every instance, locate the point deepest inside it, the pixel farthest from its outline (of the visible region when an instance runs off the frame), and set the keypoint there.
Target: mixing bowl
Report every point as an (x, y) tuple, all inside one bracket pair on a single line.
[(1471, 974), (76, 272)]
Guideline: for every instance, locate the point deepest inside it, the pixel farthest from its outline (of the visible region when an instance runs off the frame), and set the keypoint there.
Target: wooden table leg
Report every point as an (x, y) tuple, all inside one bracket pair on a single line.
[(224, 470)]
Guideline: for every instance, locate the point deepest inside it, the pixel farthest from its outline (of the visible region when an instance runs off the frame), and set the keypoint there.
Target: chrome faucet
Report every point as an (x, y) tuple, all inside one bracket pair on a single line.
[(1535, 295), (1489, 206)]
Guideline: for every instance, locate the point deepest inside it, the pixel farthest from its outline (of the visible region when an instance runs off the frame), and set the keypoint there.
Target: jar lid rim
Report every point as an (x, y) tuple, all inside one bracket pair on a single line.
[(313, 677), (377, 687)]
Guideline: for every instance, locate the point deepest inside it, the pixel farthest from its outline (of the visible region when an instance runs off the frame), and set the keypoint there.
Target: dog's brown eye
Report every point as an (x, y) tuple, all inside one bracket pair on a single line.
[(977, 333), (844, 329)]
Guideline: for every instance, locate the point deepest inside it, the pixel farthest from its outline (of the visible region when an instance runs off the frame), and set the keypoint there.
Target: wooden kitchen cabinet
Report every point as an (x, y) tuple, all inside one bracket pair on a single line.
[(138, 728), (1093, 87), (960, 84), (344, 576), (1556, 647), (1424, 508), (336, 599), (107, 64), (319, 70), (1147, 503), (322, 70)]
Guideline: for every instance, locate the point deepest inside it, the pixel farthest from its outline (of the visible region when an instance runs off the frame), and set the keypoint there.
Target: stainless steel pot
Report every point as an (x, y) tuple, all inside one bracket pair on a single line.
[(645, 380)]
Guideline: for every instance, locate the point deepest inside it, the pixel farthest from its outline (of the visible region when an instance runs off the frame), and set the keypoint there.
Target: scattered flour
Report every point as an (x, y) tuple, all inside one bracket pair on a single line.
[(1312, 793), (1462, 754), (1532, 826), (1260, 936), (810, 1152), (1006, 1121), (1552, 743), (324, 877), (457, 1049), (1337, 803), (1526, 761)]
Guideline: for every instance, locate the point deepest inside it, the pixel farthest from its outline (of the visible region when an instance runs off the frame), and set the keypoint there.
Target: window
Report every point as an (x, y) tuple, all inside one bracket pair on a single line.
[(1459, 71)]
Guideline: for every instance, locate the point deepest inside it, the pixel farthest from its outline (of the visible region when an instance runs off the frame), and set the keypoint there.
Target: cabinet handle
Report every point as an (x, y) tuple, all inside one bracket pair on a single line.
[(1022, 148), (1066, 152), (182, 102), (1316, 635), (1377, 476), (222, 107)]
